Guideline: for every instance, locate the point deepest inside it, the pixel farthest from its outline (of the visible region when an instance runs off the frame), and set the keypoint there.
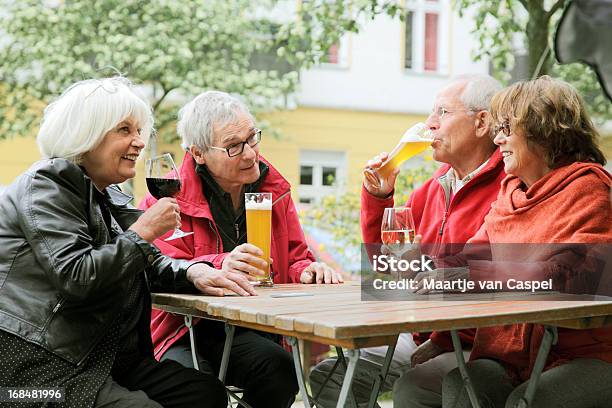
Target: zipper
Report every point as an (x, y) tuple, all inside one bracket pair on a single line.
[(58, 305), (237, 229), (212, 227), (443, 222)]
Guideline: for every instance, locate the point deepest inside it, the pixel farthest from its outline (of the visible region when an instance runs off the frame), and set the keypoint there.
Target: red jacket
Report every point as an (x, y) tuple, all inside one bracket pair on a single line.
[(440, 218), (571, 204), (288, 246)]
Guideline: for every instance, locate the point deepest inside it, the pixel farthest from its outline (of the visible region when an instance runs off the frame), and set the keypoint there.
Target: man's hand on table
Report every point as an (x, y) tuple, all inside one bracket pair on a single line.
[(425, 352), (212, 281), (320, 272), (244, 259)]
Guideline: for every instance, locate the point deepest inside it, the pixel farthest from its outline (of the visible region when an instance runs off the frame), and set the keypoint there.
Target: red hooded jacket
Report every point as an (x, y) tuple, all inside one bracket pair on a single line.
[(288, 246), (441, 218), (571, 204)]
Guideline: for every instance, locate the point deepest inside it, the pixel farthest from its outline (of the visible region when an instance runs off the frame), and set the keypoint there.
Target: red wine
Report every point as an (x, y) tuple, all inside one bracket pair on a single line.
[(163, 187)]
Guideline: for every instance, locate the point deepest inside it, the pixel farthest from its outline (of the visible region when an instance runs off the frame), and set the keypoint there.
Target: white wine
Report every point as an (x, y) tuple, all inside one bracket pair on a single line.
[(398, 237)]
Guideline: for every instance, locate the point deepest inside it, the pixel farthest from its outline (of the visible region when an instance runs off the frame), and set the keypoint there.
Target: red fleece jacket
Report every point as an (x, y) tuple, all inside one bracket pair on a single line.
[(444, 221), (288, 246)]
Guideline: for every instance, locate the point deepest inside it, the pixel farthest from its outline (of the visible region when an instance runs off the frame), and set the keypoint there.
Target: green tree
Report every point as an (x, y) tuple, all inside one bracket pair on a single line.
[(339, 215), (173, 47), (500, 25)]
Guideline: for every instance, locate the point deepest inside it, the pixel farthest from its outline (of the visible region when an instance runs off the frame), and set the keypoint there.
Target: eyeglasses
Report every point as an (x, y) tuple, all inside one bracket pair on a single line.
[(237, 149), (110, 85), (441, 111), (502, 127)]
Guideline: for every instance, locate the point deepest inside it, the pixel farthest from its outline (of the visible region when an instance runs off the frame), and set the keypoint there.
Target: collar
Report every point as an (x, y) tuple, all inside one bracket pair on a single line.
[(212, 188), (193, 202), (456, 183)]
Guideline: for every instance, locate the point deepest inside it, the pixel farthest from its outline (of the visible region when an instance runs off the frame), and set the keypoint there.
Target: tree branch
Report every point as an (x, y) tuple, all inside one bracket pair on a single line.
[(159, 101), (554, 8)]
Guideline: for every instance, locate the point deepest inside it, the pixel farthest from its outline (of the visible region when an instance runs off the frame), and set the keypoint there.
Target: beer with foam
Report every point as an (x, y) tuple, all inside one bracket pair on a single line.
[(259, 228)]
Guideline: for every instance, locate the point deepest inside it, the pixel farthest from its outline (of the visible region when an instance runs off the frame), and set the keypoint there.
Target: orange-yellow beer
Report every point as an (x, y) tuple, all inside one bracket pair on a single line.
[(416, 140), (259, 227)]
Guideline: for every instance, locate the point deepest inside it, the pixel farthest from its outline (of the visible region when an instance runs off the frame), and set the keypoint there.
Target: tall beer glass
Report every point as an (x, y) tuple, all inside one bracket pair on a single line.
[(415, 141), (259, 228)]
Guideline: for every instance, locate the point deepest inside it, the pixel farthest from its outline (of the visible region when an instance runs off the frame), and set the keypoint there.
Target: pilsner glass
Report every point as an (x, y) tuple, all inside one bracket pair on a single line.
[(415, 141), (259, 228)]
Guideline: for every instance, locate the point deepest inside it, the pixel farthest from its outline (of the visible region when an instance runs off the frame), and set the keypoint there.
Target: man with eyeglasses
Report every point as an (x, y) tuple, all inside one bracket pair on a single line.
[(448, 209), (222, 164)]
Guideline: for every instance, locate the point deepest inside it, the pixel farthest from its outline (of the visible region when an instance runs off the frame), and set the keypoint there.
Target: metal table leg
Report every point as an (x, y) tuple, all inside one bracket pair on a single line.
[(342, 360), (380, 378), (467, 383), (327, 378), (194, 354), (353, 358), (550, 338), (227, 348), (295, 350)]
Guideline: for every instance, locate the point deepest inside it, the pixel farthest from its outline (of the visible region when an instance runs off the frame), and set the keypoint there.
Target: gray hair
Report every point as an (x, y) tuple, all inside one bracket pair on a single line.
[(478, 91), (79, 119), (198, 118)]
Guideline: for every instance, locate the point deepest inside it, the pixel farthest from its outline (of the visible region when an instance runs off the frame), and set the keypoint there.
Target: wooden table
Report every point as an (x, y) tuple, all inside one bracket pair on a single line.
[(336, 315)]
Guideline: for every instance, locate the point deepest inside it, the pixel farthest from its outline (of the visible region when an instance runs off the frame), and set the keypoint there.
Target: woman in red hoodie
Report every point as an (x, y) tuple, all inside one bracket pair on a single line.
[(556, 192)]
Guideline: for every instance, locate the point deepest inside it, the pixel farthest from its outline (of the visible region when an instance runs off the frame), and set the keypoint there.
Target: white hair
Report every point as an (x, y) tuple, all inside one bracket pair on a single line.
[(198, 118), (79, 119), (478, 91)]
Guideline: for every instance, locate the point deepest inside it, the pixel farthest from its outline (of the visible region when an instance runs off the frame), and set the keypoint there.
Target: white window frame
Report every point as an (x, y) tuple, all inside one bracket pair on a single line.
[(318, 159), (420, 8)]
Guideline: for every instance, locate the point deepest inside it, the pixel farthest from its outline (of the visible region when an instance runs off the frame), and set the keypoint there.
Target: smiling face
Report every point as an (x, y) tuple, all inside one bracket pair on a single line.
[(113, 161), (232, 172), (520, 159)]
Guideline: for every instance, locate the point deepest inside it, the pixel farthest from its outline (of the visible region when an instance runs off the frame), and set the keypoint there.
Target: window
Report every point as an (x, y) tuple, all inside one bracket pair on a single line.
[(424, 30), (321, 173), (328, 176), (431, 42), (408, 40), (333, 55), (306, 175), (338, 53)]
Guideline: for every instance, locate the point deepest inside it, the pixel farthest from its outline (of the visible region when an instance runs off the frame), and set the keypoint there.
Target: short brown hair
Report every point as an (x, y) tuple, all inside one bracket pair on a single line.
[(552, 114)]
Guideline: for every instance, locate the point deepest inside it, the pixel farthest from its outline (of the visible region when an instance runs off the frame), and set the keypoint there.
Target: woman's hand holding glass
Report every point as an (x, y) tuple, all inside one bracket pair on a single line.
[(163, 180), (158, 219)]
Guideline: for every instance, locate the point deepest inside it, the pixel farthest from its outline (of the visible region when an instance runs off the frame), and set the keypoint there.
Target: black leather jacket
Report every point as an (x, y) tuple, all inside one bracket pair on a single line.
[(63, 280)]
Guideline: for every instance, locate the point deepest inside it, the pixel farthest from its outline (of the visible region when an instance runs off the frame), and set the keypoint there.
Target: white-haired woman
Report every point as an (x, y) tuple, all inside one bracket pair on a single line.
[(77, 264), (222, 164)]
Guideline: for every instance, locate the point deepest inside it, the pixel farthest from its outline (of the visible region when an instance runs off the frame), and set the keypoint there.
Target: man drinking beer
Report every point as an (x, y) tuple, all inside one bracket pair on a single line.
[(221, 165), (447, 209)]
